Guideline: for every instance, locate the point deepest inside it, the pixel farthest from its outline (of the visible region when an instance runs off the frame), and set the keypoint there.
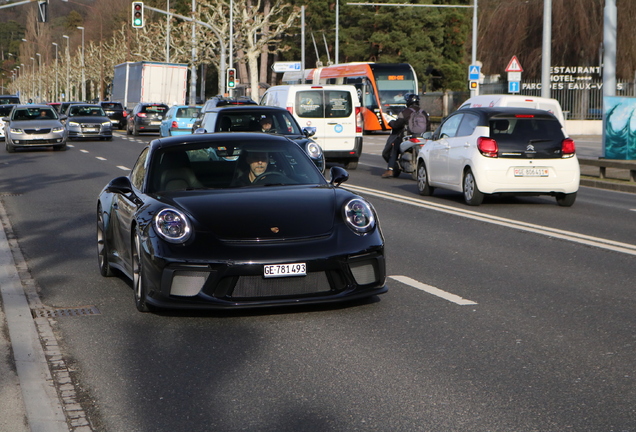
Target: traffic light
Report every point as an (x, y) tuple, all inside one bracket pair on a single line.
[(138, 14), (474, 85), (43, 10), (231, 78)]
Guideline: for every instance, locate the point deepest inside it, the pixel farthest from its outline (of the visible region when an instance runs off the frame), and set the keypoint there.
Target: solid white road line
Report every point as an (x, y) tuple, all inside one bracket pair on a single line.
[(432, 290), (123, 168), (598, 242)]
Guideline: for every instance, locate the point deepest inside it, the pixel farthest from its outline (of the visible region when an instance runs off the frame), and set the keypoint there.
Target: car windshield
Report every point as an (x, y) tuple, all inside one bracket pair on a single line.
[(9, 100), (112, 106), (5, 110), (281, 122), (84, 111), (34, 113), (232, 164), (187, 112)]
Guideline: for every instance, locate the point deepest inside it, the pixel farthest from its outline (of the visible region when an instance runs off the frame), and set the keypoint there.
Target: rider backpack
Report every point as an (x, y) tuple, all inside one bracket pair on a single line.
[(418, 122)]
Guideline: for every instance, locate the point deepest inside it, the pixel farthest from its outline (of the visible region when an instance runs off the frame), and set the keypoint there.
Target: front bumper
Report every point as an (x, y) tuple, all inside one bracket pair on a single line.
[(235, 283)]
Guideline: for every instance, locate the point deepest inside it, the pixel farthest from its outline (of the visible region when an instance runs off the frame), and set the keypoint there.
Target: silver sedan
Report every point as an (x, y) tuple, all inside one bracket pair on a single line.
[(35, 126)]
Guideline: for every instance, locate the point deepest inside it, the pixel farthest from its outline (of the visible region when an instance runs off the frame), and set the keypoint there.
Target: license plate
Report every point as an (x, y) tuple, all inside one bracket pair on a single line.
[(285, 270), (91, 130), (155, 123), (531, 172), (190, 125)]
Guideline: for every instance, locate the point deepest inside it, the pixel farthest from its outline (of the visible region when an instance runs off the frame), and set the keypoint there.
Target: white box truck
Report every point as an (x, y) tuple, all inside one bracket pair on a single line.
[(158, 82)]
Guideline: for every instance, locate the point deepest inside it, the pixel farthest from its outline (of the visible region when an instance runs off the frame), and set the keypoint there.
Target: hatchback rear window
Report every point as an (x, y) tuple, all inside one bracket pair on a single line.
[(527, 137), (324, 103), (160, 109), (112, 106)]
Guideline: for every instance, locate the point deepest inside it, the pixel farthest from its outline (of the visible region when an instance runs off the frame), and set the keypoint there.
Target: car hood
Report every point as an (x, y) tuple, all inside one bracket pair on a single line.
[(35, 124), (264, 213), (89, 119)]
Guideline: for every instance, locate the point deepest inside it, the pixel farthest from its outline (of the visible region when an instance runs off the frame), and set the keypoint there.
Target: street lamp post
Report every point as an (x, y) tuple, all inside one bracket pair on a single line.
[(83, 67), (57, 94), (39, 77), (68, 68), (32, 78)]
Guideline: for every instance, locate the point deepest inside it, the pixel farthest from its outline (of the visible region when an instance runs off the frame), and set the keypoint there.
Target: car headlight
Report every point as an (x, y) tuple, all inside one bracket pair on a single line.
[(58, 129), (108, 123), (359, 216), (313, 150), (76, 124), (172, 226), (16, 130)]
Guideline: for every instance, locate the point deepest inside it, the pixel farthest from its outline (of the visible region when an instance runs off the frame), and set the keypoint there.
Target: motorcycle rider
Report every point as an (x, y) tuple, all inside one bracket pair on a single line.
[(398, 128)]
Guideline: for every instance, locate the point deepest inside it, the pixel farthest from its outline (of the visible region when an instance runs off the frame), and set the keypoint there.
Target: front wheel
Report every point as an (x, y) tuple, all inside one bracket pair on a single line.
[(472, 195), (566, 200), (138, 275), (102, 248), (413, 162), (423, 185), (10, 148)]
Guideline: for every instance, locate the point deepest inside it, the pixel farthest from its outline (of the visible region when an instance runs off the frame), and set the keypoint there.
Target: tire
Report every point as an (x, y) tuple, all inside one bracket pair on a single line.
[(102, 249), (60, 147), (472, 195), (10, 148), (566, 200), (423, 185), (138, 275), (135, 132), (128, 131), (351, 164)]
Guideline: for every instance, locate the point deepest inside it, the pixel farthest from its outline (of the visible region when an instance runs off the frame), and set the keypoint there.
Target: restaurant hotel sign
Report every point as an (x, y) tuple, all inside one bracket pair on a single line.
[(572, 78)]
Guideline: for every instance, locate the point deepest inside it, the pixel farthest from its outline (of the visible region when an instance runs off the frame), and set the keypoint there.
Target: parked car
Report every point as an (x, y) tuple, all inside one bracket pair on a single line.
[(179, 120), (219, 101), (116, 113), (146, 117), (189, 233), (249, 118), (5, 111), (34, 126), (501, 150), (88, 121)]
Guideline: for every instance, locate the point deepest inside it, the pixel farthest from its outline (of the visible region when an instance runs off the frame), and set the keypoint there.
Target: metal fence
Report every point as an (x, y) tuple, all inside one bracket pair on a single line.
[(579, 101)]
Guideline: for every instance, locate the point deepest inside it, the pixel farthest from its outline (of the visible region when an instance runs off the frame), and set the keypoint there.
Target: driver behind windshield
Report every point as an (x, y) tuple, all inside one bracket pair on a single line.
[(257, 163)]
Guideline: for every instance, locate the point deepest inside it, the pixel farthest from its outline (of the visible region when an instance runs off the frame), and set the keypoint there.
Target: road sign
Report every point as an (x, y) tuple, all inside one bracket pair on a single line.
[(286, 66), (513, 87), (474, 72), (514, 65), (514, 76)]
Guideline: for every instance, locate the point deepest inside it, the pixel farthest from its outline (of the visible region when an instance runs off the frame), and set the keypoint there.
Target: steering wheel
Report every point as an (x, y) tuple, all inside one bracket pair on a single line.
[(273, 178)]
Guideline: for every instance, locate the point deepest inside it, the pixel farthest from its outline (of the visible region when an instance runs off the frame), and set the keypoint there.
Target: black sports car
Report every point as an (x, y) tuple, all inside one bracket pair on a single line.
[(230, 220)]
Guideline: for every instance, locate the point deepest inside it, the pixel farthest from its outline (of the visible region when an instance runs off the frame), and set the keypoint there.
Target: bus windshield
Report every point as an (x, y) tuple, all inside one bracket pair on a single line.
[(393, 84)]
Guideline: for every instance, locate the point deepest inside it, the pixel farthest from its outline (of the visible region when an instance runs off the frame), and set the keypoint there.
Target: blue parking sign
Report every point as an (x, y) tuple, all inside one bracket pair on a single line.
[(473, 72), (513, 86)]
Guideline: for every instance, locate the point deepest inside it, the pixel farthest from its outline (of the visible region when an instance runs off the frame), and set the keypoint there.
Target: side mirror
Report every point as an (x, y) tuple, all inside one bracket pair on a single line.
[(427, 135), (120, 185), (5, 119), (309, 131), (200, 131), (63, 117), (338, 175)]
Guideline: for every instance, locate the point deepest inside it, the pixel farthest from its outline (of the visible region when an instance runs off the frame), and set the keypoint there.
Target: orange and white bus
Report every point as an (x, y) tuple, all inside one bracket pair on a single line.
[(381, 87)]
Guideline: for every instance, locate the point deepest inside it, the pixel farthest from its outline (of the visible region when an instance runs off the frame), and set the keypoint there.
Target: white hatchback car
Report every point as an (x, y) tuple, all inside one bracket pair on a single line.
[(501, 150)]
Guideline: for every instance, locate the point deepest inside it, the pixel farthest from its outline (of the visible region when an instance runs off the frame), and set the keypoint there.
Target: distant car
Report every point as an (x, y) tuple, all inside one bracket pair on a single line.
[(146, 117), (63, 107), (116, 113), (9, 100), (501, 150), (192, 231), (220, 101), (34, 126), (5, 111), (88, 121), (248, 118), (179, 120)]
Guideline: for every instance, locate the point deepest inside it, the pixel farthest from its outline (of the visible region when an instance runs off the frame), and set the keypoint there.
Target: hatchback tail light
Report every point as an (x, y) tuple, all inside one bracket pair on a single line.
[(143, 115), (124, 114), (358, 120), (290, 109), (174, 125), (568, 148), (487, 146)]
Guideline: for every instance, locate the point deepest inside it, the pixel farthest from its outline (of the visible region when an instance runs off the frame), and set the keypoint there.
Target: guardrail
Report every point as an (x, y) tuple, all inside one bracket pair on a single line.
[(612, 174)]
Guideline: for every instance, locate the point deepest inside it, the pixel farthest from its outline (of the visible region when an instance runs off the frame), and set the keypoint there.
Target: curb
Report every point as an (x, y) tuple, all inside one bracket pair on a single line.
[(618, 185)]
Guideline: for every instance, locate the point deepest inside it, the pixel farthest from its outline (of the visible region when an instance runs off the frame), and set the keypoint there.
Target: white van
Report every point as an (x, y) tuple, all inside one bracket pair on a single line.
[(504, 100), (334, 110)]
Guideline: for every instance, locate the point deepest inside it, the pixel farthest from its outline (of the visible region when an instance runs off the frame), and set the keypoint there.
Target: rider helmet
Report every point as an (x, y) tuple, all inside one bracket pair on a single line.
[(412, 99)]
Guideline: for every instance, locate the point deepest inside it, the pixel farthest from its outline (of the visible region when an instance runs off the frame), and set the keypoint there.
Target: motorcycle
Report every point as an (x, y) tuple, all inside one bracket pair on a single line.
[(409, 149)]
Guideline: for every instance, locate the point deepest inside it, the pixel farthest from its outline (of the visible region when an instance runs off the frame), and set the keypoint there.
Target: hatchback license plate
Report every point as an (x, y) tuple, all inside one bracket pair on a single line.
[(285, 270), (531, 172), (155, 123)]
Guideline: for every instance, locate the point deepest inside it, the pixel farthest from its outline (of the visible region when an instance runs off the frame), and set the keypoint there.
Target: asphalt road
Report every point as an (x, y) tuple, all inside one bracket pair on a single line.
[(513, 316)]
